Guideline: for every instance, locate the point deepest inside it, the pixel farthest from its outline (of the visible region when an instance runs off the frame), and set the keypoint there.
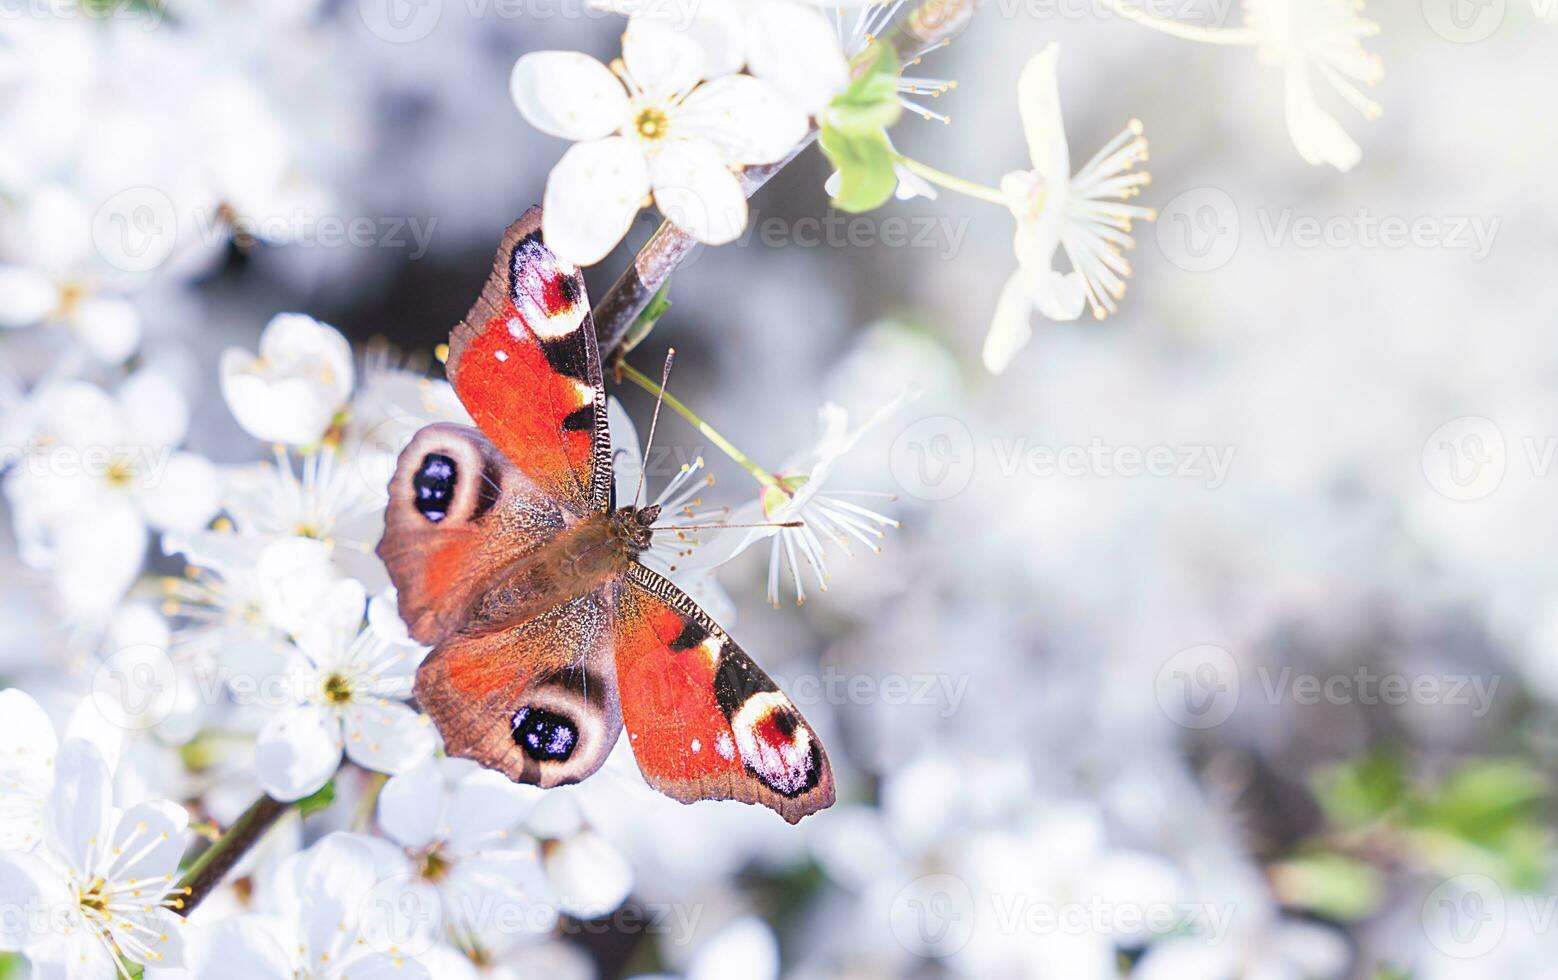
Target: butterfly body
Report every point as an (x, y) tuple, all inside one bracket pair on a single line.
[(509, 557)]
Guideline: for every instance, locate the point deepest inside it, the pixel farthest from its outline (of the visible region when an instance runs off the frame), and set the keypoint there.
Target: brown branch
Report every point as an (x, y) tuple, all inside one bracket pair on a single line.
[(932, 22), (216, 861)]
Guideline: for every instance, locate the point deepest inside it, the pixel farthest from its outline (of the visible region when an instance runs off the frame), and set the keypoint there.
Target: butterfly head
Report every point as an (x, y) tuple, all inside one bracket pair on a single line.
[(632, 527)]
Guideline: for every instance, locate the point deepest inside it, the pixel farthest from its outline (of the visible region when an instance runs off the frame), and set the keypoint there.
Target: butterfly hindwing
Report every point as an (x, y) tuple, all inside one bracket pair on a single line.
[(459, 514), (703, 720), (525, 364), (535, 700)]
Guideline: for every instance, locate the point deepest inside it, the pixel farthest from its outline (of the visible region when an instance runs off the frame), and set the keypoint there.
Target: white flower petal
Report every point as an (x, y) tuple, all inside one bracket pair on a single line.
[(591, 876), (27, 297), (746, 119), (161, 824), (236, 949), (411, 805), (746, 947), (592, 196), (182, 494), (662, 60), (1010, 329), (110, 329), (153, 411), (568, 94), (336, 875), (793, 47), (485, 805), (296, 753), (910, 185), (80, 806), (160, 929), (333, 624), (27, 882), (1038, 100), (697, 193), (292, 390), (378, 966), (1319, 138), (387, 737), (97, 555), (294, 574)]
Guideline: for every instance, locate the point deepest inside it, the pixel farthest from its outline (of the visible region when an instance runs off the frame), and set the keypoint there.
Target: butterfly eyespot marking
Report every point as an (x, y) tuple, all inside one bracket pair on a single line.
[(434, 483), (775, 745), (544, 735)]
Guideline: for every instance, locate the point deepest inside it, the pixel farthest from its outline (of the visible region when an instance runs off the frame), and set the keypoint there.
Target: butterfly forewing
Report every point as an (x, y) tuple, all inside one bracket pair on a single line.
[(525, 364)]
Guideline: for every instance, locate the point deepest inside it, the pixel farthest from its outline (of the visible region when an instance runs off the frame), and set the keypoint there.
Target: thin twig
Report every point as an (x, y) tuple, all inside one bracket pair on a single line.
[(216, 861), (933, 22)]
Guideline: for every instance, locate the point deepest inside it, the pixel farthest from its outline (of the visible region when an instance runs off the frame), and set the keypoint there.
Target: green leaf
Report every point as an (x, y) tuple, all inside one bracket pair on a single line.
[(11, 965), (321, 800), (1484, 800), (870, 103), (1332, 885), (865, 165), (1361, 790)]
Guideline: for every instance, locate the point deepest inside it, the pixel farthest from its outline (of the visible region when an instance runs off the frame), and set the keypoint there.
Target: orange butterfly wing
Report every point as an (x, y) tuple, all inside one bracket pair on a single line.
[(525, 364), (535, 700), (459, 516), (703, 720)]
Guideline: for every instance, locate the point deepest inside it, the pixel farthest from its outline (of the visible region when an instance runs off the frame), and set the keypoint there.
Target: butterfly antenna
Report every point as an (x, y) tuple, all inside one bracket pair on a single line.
[(721, 527), (654, 420)]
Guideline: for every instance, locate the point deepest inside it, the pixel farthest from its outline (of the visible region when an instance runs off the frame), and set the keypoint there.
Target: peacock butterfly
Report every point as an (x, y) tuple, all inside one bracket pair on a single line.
[(512, 559)]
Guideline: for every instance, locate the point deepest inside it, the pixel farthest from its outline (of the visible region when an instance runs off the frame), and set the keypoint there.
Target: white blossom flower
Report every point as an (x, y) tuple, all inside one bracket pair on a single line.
[(1082, 214), (325, 926), (825, 515), (27, 747), (1325, 38), (63, 281), (328, 497), (100, 891), (289, 393), (345, 683), (101, 470), (1303, 38), (662, 125), (1063, 863), (459, 826), (241, 597), (589, 873)]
